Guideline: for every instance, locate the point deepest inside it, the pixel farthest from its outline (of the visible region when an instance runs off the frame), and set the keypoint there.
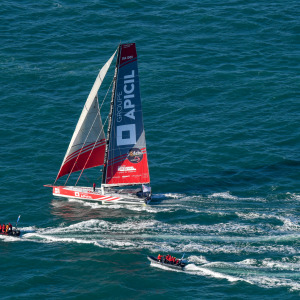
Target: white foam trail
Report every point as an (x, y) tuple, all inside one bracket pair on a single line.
[(52, 239), (225, 195), (289, 224), (286, 263), (174, 195), (259, 280), (198, 259), (272, 282), (93, 205), (27, 229), (294, 196), (234, 248), (193, 269), (138, 208), (251, 216), (7, 238), (196, 270)]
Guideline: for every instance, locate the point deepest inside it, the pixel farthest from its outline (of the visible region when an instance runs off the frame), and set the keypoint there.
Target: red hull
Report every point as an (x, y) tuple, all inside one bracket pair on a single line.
[(82, 193)]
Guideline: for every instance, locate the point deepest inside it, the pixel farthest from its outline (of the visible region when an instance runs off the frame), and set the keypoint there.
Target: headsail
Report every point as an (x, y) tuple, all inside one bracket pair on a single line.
[(87, 146), (127, 161)]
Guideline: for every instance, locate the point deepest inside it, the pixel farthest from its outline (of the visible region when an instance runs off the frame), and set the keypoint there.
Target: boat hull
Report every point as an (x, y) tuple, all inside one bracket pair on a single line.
[(14, 232), (87, 193), (154, 260)]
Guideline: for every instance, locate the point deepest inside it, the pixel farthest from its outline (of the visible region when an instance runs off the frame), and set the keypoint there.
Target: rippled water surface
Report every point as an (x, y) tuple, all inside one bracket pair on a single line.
[(220, 91)]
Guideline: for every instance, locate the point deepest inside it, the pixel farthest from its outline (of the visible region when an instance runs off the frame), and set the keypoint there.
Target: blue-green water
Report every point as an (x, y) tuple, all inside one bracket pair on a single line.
[(220, 91)]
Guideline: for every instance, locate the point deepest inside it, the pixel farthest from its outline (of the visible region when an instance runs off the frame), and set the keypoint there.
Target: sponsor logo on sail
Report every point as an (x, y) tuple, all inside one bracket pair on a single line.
[(135, 155), (125, 112), (126, 169)]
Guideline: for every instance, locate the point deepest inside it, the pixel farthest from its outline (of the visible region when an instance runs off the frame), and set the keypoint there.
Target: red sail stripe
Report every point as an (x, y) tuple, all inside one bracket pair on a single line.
[(95, 160), (83, 152), (84, 149), (118, 157), (121, 158), (128, 62)]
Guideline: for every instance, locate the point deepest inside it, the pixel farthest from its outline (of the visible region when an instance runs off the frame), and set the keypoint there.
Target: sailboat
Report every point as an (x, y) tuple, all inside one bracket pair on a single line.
[(122, 153)]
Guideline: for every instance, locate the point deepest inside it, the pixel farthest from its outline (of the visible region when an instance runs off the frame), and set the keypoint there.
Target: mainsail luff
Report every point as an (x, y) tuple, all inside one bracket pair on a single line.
[(110, 117), (79, 142)]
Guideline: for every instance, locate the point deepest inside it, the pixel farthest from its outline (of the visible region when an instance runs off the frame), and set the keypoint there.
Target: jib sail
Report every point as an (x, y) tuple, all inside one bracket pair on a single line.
[(87, 146)]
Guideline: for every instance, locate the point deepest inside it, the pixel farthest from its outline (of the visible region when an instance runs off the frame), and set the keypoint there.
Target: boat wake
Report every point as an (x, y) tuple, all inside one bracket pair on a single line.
[(257, 247), (261, 273), (261, 276)]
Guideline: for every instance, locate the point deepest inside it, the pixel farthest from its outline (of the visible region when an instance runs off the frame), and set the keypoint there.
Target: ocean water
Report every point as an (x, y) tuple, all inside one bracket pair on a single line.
[(220, 92)]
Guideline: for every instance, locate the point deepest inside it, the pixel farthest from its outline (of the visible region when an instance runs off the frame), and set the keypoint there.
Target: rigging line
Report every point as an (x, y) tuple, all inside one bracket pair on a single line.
[(93, 146), (98, 113), (99, 108), (83, 145), (87, 179), (106, 94)]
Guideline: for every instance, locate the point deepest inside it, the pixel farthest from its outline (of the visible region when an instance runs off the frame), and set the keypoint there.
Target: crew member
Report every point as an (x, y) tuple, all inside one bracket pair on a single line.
[(3, 228), (10, 227), (159, 257), (94, 187), (7, 227), (168, 258)]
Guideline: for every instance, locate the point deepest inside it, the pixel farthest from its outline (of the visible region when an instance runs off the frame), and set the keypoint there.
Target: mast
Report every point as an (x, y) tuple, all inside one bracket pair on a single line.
[(110, 117)]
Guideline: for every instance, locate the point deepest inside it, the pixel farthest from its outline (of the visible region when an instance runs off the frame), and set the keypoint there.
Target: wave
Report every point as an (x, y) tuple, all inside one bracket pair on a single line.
[(153, 234), (196, 270), (224, 195), (274, 282), (285, 263), (229, 196), (265, 273)]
